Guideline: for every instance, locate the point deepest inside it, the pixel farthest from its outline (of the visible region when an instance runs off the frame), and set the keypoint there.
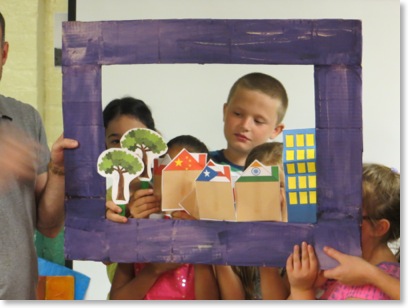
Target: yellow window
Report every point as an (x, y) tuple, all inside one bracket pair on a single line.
[(292, 182), (289, 141), (302, 182), (310, 140), (291, 168), (300, 140), (313, 197), (300, 154), (311, 167), (293, 198), (301, 167), (312, 181), (310, 153), (290, 155), (303, 197)]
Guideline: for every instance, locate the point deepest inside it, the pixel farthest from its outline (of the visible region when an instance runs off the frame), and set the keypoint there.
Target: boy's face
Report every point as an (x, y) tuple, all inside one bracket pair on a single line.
[(250, 119)]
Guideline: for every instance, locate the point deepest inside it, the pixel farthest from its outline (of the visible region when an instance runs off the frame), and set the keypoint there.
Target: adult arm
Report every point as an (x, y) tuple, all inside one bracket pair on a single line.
[(50, 190), (353, 270)]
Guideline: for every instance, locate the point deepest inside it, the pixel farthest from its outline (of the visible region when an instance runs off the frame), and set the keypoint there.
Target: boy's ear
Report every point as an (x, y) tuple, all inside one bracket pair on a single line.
[(278, 129), (381, 227), (224, 111), (4, 52)]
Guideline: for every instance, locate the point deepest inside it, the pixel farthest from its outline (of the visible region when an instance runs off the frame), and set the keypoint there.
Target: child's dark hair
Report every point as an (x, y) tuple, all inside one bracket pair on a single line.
[(190, 143), (128, 106), (265, 84), (381, 197)]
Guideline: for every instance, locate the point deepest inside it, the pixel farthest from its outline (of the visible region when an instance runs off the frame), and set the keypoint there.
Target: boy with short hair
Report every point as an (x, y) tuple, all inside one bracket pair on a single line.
[(253, 115)]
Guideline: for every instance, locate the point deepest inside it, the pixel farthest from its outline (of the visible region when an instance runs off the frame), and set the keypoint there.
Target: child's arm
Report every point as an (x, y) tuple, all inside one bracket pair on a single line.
[(126, 285), (273, 285), (206, 287), (143, 203), (354, 270), (302, 270), (229, 283)]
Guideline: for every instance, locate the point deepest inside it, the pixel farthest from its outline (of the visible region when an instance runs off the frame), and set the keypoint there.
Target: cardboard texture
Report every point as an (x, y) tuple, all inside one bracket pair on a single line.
[(332, 46)]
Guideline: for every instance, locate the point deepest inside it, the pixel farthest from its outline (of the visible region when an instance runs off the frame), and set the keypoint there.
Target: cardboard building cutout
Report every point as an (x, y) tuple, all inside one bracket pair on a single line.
[(256, 196), (299, 160), (214, 194), (257, 193), (178, 178), (332, 46), (159, 164)]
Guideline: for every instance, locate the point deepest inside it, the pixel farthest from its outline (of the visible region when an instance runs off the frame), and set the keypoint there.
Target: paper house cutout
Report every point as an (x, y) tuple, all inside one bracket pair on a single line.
[(178, 178), (299, 160), (214, 193), (158, 165), (257, 194)]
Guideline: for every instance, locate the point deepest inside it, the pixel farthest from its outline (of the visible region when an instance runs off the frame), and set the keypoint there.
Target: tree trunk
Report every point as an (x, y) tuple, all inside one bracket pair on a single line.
[(121, 186), (145, 160)]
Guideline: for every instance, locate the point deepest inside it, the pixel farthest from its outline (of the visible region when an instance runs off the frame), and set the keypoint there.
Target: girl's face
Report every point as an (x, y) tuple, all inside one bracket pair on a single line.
[(119, 126)]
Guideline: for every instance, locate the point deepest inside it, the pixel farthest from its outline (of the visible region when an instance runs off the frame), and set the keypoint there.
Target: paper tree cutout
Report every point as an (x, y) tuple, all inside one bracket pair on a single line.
[(147, 143), (122, 166), (299, 160), (178, 178), (257, 193)]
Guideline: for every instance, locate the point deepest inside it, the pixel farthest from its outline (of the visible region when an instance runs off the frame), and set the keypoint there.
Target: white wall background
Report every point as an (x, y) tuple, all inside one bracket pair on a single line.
[(188, 99)]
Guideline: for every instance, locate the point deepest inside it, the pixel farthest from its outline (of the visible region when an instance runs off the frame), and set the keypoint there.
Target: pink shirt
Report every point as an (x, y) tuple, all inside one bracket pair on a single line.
[(177, 284), (334, 290)]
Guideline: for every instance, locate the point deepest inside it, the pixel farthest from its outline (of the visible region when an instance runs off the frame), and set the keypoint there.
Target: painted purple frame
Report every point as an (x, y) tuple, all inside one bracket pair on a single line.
[(333, 46)]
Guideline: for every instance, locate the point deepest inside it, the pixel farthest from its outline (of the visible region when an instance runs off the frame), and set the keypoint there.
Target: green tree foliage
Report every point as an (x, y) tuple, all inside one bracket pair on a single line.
[(122, 162), (147, 141)]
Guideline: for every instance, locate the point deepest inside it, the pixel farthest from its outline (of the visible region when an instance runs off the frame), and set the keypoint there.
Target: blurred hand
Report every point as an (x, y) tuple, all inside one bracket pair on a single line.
[(18, 156)]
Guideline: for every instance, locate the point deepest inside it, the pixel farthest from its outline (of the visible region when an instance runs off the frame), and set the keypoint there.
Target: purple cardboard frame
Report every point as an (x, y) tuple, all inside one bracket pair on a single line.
[(333, 46)]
